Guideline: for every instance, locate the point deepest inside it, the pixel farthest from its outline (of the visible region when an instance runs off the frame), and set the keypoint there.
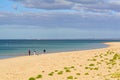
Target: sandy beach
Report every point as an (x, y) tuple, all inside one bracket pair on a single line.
[(97, 64)]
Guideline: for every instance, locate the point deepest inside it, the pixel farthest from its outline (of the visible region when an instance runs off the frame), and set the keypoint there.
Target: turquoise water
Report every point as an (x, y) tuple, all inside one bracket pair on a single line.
[(11, 48)]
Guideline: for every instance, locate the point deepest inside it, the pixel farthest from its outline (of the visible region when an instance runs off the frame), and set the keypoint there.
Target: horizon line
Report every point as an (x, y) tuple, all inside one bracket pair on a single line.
[(60, 39)]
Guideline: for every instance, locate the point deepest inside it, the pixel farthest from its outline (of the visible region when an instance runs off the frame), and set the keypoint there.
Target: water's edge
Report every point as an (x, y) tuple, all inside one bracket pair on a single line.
[(15, 48), (98, 47)]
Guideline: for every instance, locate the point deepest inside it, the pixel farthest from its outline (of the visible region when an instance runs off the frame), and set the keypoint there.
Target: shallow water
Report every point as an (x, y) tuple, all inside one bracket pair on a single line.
[(9, 48)]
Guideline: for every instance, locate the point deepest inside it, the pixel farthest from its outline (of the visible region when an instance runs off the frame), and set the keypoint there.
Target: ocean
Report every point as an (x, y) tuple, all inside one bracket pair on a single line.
[(13, 48)]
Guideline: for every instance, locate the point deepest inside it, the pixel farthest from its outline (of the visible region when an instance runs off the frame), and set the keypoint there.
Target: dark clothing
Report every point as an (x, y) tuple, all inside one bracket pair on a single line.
[(29, 52), (44, 51)]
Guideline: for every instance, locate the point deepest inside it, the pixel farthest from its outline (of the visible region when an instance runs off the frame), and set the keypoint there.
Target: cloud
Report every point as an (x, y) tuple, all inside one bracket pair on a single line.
[(90, 5), (99, 7), (61, 20), (46, 4), (86, 1), (95, 16)]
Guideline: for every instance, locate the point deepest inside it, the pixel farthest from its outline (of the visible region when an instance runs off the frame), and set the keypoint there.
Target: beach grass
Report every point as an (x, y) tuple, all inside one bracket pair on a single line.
[(32, 78), (98, 64), (93, 66)]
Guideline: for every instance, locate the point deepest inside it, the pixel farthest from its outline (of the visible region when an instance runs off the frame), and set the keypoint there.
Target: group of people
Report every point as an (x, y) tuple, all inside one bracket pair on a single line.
[(29, 52)]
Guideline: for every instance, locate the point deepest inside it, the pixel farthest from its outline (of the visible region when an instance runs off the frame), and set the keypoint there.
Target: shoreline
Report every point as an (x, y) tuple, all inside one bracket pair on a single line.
[(24, 67), (14, 56)]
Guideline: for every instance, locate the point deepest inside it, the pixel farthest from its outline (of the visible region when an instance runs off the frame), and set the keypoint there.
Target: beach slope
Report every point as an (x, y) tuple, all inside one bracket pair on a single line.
[(97, 64)]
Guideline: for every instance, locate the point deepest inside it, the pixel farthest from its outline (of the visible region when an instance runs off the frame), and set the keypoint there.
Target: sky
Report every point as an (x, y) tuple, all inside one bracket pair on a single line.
[(59, 19)]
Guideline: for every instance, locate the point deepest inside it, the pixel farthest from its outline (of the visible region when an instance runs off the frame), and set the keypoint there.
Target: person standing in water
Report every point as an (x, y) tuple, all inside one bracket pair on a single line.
[(44, 51), (29, 52)]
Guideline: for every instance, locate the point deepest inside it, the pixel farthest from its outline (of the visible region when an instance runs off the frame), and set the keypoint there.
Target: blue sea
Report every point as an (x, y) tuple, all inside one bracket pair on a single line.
[(13, 48)]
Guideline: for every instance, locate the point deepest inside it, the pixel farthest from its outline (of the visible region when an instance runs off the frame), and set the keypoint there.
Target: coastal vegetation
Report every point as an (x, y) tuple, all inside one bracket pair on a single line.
[(109, 60)]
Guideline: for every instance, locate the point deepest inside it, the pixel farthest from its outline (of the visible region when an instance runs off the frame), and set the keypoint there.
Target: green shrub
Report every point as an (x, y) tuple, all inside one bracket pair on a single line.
[(86, 67), (39, 76), (72, 67), (32, 78), (115, 75), (112, 61), (70, 77), (67, 70), (91, 64), (115, 56), (86, 73), (60, 72), (96, 68), (109, 67), (93, 59), (56, 70), (51, 74)]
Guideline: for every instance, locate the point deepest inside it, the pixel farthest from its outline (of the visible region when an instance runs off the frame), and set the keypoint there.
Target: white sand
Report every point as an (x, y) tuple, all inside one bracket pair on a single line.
[(22, 68)]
